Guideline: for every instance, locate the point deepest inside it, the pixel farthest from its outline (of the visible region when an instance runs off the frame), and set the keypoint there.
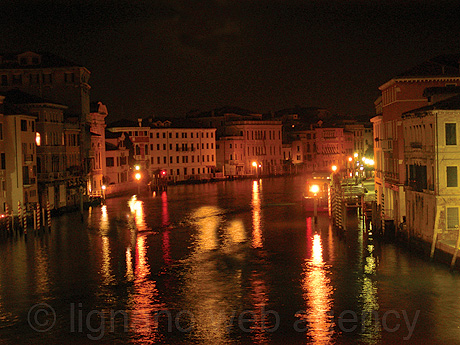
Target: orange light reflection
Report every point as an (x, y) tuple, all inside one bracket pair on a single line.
[(318, 296), (257, 241)]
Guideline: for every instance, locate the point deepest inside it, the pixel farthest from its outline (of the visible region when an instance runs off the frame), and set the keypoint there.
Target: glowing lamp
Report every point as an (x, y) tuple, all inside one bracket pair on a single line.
[(38, 139), (314, 189), (137, 176)]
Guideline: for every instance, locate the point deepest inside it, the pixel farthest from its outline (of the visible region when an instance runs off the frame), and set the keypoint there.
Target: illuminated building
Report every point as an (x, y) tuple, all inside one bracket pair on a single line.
[(20, 157), (431, 152), (401, 94)]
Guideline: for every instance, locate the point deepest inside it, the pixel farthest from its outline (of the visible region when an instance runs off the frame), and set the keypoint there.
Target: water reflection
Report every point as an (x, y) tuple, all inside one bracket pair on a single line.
[(213, 285), (145, 299), (137, 210), (106, 269), (371, 327), (256, 215), (165, 243), (317, 292)]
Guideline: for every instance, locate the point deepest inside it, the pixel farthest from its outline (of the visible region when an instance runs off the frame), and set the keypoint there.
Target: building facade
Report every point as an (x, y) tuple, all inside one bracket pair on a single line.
[(401, 94), (432, 163)]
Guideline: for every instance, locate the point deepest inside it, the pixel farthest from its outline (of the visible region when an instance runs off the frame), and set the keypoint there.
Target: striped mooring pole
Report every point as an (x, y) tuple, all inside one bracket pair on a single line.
[(7, 211), (38, 212), (19, 215), (25, 221), (48, 215)]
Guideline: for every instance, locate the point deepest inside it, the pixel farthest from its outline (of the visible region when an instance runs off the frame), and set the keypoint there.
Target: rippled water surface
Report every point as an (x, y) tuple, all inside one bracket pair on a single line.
[(222, 263)]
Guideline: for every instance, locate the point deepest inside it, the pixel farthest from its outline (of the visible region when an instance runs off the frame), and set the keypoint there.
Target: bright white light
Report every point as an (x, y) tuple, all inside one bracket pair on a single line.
[(254, 164), (314, 188), (38, 139), (137, 176)]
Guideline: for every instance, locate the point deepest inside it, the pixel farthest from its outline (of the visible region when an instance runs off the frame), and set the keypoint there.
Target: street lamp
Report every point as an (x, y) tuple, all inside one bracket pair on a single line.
[(138, 177), (315, 190), (334, 168), (103, 187)]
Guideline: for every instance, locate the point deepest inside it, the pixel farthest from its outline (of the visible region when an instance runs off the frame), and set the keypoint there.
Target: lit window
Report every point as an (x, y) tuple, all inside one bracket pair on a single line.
[(451, 134), (452, 176)]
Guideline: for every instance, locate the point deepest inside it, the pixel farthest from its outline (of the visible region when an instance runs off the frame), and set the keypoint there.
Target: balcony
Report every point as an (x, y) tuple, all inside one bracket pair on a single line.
[(28, 158), (416, 145)]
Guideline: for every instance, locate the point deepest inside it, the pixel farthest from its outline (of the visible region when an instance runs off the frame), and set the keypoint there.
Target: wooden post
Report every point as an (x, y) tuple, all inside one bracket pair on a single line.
[(454, 257), (48, 215), (19, 215), (39, 221), (435, 234), (7, 211), (25, 221)]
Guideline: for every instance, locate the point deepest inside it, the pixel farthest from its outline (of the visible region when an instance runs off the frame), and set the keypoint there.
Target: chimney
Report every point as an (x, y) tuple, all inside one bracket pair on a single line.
[(139, 120)]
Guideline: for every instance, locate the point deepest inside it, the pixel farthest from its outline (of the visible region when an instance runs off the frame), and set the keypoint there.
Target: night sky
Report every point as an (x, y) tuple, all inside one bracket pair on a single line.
[(165, 58)]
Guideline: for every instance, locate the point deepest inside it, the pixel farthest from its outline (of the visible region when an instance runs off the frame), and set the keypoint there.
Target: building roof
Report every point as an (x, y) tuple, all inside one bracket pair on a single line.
[(112, 135), (124, 123), (47, 60), (446, 90), (442, 65), (16, 96), (452, 103), (110, 147)]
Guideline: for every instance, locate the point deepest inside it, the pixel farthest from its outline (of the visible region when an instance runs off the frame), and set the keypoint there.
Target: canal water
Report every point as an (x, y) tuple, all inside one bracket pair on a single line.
[(236, 262)]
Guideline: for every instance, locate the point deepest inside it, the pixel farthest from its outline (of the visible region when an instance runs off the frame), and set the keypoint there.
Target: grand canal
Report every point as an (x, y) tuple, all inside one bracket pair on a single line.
[(222, 263)]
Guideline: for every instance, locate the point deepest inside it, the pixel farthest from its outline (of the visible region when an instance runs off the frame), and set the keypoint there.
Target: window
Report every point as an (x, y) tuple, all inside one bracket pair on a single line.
[(164, 135), (1, 131), (451, 134), (47, 78), (170, 159), (109, 162), (158, 147), (24, 125), (158, 135), (33, 78), (17, 79), (69, 77), (452, 217), (164, 159), (2, 161), (452, 177), (158, 160)]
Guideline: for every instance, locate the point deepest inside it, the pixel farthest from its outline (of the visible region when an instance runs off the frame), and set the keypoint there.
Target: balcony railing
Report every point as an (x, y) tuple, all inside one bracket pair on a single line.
[(416, 145)]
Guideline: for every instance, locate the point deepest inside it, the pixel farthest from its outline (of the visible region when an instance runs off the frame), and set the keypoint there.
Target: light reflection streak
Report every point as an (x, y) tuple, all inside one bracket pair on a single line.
[(261, 324), (165, 243), (41, 271), (213, 285), (234, 234), (207, 221), (129, 265), (318, 295), (145, 298), (106, 270), (104, 222), (256, 217), (137, 209), (372, 329)]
